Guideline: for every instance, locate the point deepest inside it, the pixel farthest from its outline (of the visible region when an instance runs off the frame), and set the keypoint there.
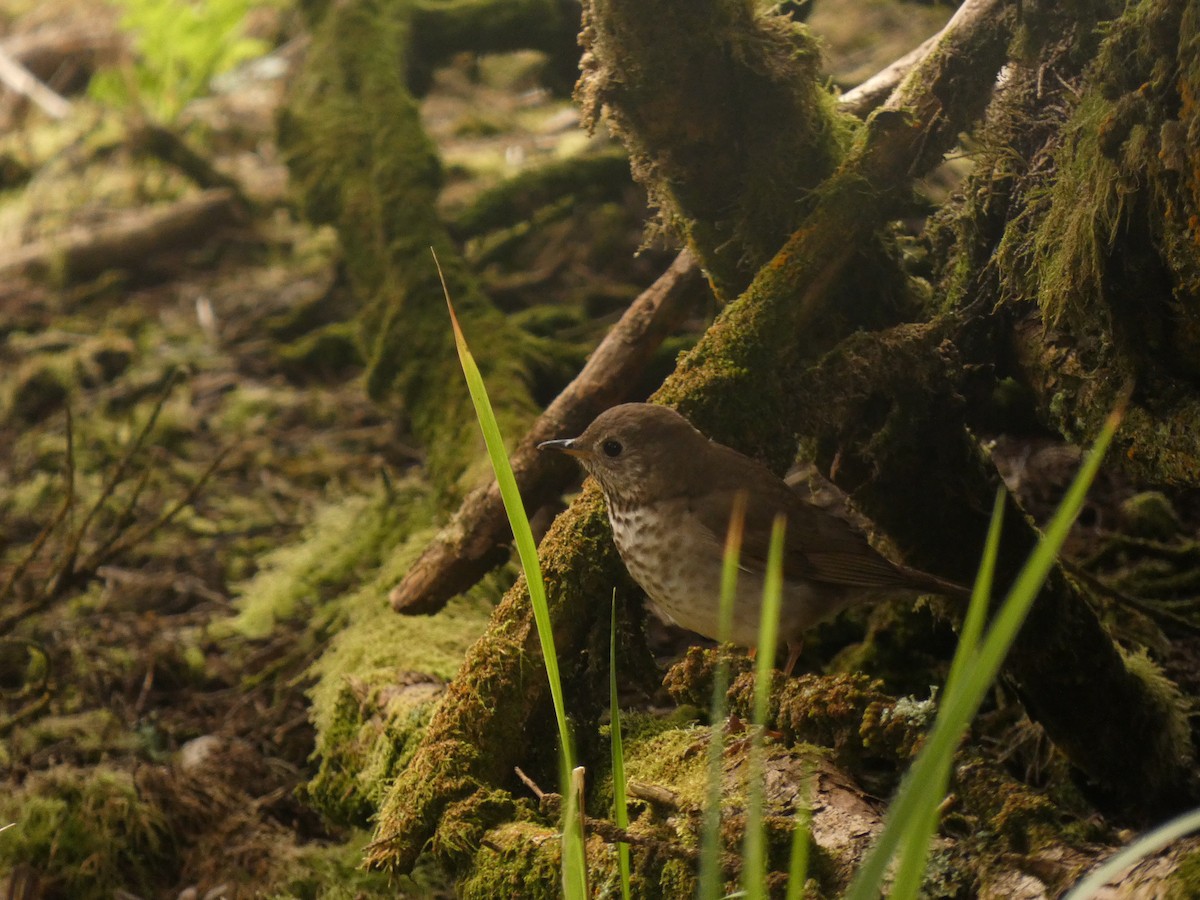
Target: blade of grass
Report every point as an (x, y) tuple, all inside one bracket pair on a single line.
[(574, 863), (620, 804), (919, 788), (1147, 844), (711, 878), (914, 849), (801, 826), (754, 848)]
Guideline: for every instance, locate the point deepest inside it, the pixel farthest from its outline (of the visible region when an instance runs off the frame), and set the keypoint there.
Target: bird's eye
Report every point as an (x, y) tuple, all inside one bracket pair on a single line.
[(612, 449)]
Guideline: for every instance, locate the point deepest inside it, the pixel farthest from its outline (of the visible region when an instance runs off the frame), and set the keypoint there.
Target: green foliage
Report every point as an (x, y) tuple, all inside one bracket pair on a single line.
[(574, 866), (179, 48), (754, 854), (87, 831)]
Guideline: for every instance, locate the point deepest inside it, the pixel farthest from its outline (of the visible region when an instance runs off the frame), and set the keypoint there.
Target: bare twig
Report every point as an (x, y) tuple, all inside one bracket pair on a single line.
[(24, 82), (872, 93), (133, 539), (474, 541), (66, 569), (654, 794), (860, 100), (54, 522)]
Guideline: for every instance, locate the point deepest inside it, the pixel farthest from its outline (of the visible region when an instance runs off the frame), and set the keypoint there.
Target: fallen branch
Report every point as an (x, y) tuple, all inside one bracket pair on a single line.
[(65, 54), (476, 539), (20, 79), (860, 100), (129, 242)]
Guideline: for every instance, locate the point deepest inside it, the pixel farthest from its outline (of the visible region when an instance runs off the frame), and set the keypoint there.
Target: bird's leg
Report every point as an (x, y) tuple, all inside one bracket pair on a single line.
[(795, 648)]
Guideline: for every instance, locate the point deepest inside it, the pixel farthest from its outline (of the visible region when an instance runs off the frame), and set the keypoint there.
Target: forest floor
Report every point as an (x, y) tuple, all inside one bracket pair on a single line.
[(171, 427)]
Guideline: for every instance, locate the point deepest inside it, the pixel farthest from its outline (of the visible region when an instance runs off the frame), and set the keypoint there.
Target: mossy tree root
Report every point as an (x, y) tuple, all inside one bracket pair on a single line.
[(891, 407), (678, 85), (734, 384), (362, 162)]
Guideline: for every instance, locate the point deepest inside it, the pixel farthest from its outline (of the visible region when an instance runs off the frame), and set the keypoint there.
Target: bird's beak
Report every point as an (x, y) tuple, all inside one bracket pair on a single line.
[(566, 446)]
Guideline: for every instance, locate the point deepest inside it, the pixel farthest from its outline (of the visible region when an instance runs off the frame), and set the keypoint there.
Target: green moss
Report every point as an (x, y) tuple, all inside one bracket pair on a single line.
[(89, 734), (1184, 882), (361, 161), (1150, 514), (651, 77), (346, 539), (380, 673), (86, 832), (521, 860), (334, 872)]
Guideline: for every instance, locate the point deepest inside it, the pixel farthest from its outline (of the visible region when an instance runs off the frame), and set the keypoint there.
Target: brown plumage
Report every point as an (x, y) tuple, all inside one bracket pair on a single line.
[(670, 493)]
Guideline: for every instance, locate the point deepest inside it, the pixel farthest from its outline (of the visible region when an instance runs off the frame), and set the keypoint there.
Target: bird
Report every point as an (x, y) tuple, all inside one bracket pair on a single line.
[(670, 493)]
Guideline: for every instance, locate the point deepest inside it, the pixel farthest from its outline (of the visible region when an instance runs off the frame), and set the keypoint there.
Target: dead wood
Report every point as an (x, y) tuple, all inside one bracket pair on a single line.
[(18, 78), (476, 539), (64, 56), (131, 241), (732, 385)]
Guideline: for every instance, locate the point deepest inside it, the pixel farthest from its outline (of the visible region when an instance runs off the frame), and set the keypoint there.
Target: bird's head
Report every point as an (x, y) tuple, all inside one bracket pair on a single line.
[(634, 450)]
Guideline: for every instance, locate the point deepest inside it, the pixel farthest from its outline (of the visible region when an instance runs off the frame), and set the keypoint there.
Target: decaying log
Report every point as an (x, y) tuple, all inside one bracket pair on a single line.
[(732, 385), (130, 241), (476, 539)]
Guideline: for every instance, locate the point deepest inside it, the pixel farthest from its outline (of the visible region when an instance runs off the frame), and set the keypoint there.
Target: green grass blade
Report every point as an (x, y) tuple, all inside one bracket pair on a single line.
[(711, 877), (620, 805), (801, 827), (914, 847), (1146, 845), (976, 617), (574, 862), (754, 853), (574, 850), (923, 784)]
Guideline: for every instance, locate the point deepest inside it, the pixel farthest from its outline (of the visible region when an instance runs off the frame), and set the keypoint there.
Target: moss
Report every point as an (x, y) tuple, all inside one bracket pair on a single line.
[(520, 859), (654, 79), (517, 199), (379, 674), (1184, 882), (1165, 747), (361, 160), (335, 872), (1150, 514), (346, 539), (324, 353), (91, 734), (86, 833)]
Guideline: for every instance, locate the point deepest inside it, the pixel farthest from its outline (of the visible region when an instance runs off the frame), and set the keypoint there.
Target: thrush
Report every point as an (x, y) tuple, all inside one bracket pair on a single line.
[(670, 493)]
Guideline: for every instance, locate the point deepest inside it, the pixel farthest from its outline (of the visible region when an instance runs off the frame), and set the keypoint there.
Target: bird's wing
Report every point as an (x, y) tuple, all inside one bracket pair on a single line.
[(818, 545)]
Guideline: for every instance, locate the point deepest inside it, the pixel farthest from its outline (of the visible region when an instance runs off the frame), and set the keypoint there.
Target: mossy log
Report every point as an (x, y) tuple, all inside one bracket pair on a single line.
[(734, 386), (892, 408), (677, 84), (362, 161), (1086, 204)]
